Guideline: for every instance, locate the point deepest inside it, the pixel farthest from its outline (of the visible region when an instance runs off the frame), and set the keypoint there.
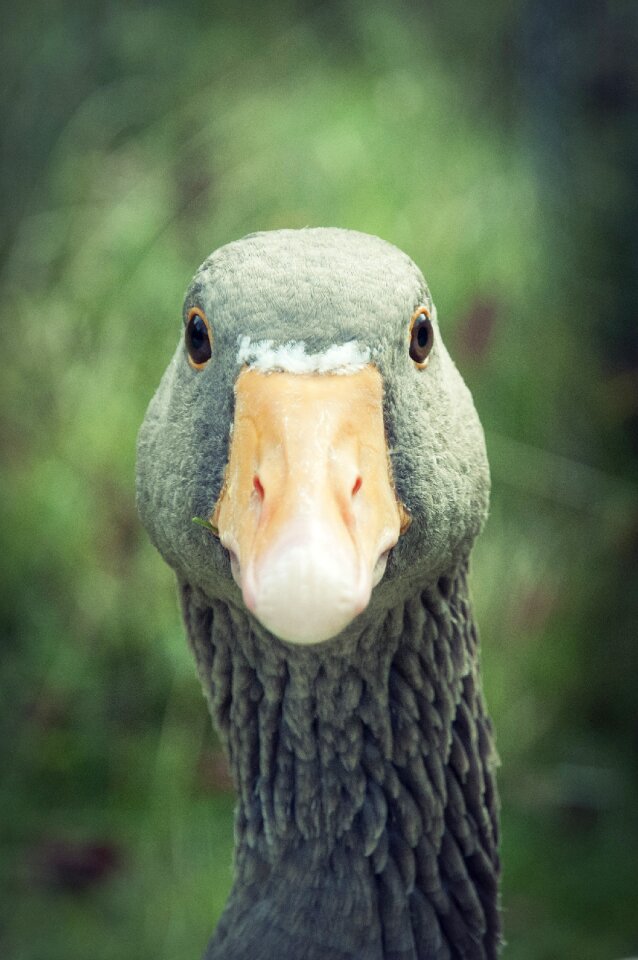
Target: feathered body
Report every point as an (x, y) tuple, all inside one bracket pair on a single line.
[(366, 824)]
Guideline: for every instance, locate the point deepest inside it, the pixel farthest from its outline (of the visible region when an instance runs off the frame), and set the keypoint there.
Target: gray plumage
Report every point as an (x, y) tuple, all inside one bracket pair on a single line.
[(366, 823)]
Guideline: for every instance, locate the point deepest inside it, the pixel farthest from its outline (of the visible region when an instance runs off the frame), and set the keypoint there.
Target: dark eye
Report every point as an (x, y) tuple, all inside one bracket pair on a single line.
[(198, 339), (421, 336)]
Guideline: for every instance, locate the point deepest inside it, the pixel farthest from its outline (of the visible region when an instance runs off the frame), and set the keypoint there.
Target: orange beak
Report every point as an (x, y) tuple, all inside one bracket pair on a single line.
[(308, 510)]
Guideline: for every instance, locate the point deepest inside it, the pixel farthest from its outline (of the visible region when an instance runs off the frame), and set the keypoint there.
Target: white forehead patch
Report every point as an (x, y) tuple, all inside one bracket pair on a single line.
[(291, 357)]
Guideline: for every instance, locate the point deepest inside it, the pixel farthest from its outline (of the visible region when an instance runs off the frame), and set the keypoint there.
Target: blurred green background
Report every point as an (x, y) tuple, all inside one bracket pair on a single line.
[(496, 144)]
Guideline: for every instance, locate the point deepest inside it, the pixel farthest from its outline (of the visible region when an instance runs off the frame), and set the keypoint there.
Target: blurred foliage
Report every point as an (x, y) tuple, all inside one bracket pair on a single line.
[(494, 145)]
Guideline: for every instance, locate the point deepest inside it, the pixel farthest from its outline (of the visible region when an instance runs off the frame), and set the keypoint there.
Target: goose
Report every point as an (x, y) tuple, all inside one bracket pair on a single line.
[(313, 423)]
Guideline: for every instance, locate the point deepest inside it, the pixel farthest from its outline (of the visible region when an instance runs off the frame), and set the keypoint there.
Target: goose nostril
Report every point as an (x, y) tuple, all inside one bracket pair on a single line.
[(258, 487), (357, 486)]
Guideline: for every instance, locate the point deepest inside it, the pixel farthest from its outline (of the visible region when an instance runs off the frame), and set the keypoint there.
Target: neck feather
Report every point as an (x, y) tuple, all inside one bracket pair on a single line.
[(373, 761)]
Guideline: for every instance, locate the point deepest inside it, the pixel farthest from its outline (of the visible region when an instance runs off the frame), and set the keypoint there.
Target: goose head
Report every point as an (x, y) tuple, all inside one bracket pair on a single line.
[(312, 415)]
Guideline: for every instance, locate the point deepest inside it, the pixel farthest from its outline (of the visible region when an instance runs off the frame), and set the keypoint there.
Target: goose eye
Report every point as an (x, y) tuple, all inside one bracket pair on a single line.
[(198, 339), (421, 336)]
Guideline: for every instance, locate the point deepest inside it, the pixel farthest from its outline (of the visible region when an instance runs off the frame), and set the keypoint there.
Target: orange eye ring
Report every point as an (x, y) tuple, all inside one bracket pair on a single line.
[(198, 338), (421, 337)]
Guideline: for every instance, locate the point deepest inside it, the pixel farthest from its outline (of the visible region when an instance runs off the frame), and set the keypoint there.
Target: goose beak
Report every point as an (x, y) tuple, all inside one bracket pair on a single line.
[(308, 511)]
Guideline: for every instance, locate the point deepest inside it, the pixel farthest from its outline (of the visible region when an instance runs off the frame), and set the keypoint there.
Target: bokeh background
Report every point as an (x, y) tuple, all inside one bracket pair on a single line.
[(496, 144)]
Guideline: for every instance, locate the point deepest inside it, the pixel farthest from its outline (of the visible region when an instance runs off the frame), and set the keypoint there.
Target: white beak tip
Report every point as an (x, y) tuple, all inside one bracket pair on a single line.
[(307, 595)]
